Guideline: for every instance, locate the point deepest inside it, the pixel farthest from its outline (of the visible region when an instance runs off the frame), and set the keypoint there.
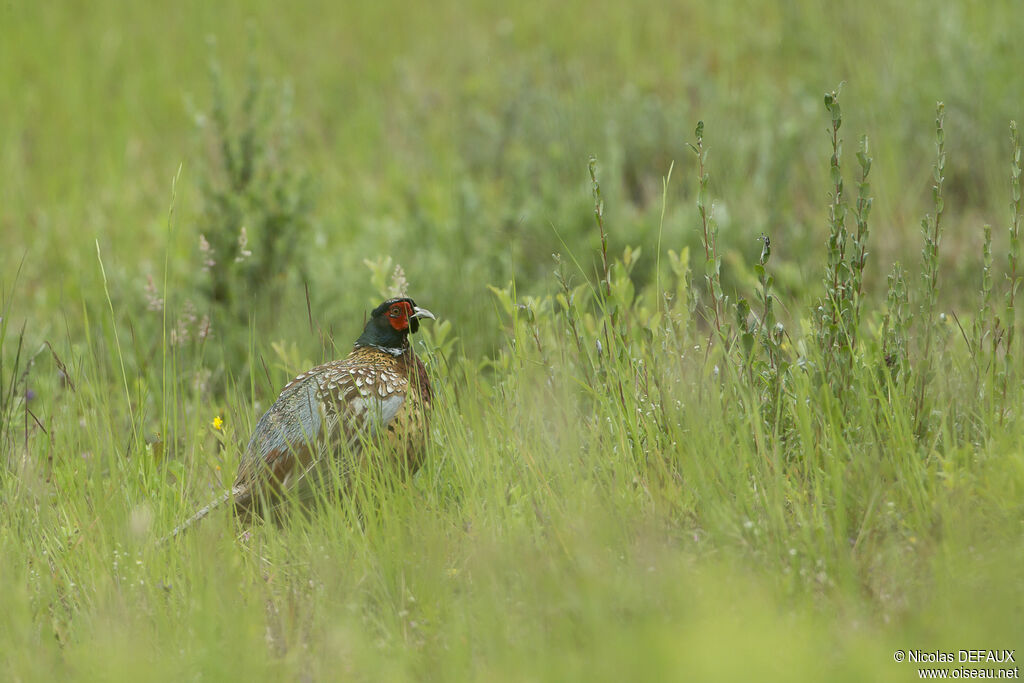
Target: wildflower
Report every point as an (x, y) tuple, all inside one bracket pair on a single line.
[(181, 332), (207, 251), (399, 285), (154, 302), (217, 423), (203, 331), (243, 242), (201, 380), (188, 313)]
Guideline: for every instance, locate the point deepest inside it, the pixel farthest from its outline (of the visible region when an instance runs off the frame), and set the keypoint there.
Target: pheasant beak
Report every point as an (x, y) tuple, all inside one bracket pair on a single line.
[(418, 312)]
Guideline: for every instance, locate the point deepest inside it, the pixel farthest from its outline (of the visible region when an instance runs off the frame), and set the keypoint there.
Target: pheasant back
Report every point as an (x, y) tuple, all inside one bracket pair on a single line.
[(332, 412)]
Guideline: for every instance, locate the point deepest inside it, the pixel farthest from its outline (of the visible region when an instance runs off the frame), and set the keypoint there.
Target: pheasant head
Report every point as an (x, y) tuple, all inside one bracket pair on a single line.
[(391, 323)]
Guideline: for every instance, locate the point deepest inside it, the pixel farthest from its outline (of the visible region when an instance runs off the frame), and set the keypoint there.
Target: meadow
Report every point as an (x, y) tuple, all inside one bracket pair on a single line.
[(727, 360)]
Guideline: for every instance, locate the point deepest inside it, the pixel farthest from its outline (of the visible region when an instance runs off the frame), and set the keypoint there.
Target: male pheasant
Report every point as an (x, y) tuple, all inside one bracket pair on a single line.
[(379, 392)]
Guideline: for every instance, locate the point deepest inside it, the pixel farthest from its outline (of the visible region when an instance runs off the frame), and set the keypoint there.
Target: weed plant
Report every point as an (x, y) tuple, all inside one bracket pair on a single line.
[(255, 224)]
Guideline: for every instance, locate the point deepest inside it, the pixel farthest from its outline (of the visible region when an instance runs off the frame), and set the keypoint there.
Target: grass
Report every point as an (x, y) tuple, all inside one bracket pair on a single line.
[(634, 473)]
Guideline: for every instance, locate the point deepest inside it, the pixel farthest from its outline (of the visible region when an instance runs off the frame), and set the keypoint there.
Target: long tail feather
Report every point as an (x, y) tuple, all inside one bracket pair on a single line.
[(202, 512)]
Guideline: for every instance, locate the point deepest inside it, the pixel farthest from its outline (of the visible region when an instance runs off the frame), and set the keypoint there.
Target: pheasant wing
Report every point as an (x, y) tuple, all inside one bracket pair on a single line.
[(326, 411)]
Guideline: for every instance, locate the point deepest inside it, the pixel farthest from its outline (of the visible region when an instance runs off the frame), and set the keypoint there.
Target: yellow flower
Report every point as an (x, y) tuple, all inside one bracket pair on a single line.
[(217, 423)]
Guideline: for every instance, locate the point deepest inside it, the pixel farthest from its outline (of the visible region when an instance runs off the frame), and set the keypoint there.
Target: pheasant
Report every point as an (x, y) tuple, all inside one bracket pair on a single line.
[(379, 392)]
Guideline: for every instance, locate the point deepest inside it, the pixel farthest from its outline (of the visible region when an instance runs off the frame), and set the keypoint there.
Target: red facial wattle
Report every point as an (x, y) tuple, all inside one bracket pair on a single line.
[(399, 314)]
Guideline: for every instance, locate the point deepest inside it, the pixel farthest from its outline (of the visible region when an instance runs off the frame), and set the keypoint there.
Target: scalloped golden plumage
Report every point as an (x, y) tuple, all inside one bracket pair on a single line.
[(330, 411)]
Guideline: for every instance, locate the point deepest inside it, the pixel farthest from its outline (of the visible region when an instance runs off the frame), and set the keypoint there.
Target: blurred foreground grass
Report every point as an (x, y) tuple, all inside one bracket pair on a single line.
[(598, 505)]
